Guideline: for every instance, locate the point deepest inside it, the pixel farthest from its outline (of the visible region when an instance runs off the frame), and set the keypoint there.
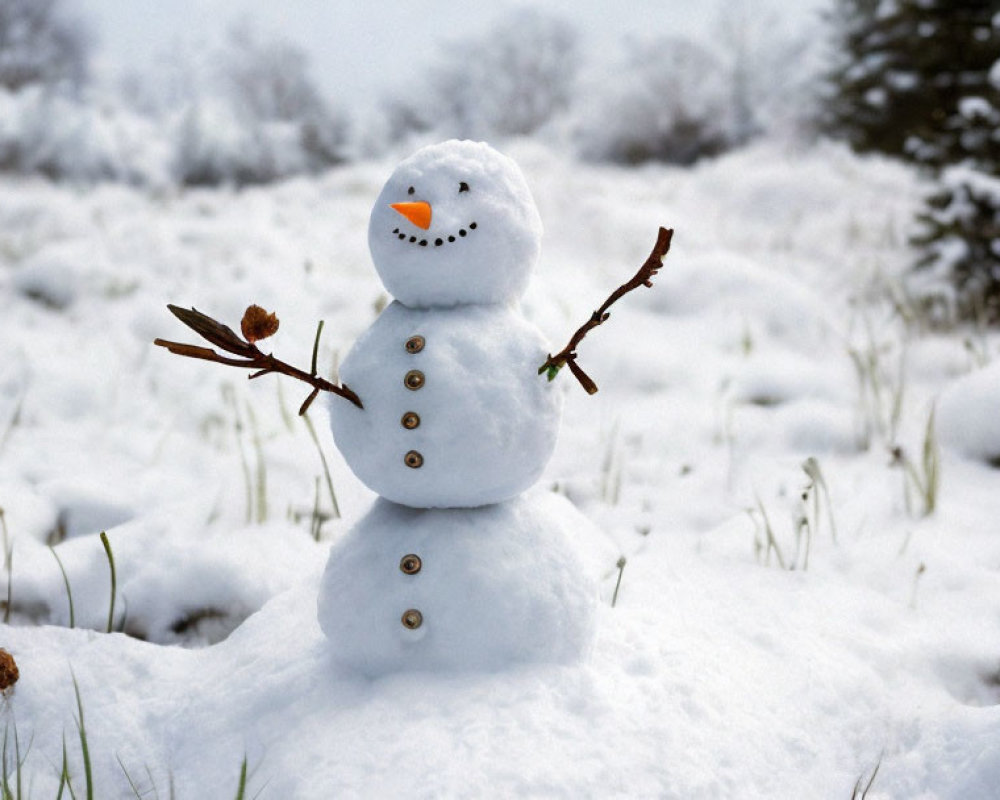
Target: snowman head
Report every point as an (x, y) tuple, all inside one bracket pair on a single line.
[(455, 223)]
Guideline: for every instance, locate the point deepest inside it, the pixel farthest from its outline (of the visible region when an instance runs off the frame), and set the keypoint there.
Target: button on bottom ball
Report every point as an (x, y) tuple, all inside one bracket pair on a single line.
[(413, 459), (412, 619)]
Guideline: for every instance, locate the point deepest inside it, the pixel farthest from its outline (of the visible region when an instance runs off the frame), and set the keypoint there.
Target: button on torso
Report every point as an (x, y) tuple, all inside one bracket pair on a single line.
[(410, 420), (413, 380), (410, 564), (415, 344)]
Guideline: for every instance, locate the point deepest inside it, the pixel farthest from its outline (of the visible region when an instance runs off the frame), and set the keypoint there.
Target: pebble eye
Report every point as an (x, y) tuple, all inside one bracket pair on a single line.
[(411, 190), (463, 187)]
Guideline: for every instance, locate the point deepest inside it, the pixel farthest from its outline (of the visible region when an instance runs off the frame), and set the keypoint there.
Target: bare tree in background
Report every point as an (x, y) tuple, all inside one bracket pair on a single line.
[(772, 70), (40, 44), (253, 114), (672, 104), (510, 81), (268, 79)]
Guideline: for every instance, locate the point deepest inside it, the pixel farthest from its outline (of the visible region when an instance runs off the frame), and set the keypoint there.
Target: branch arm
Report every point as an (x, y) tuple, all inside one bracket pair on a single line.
[(644, 277)]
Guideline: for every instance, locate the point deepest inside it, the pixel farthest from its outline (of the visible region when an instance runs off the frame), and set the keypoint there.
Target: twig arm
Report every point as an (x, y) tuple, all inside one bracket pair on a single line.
[(251, 356), (644, 277)]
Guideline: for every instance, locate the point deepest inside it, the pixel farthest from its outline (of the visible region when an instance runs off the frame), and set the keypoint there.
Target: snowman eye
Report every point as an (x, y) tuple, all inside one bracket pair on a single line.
[(411, 190), (463, 187)]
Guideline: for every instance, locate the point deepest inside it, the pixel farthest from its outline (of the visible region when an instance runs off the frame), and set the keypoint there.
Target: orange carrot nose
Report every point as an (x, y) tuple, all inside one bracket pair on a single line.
[(417, 213)]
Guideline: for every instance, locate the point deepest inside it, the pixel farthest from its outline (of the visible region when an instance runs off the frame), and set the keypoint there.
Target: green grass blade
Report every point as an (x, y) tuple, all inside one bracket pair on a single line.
[(84, 748), (618, 584), (131, 783), (326, 466), (114, 579), (242, 788), (10, 583), (17, 760), (5, 781), (319, 332), (69, 592), (64, 773)]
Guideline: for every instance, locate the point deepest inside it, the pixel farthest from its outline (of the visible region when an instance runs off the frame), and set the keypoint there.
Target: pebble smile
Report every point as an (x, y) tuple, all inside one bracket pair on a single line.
[(421, 242)]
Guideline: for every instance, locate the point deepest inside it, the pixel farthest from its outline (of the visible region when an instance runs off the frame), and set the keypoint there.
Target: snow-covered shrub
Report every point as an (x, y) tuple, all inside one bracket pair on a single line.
[(77, 138), (959, 274), (254, 117), (510, 81), (671, 104), (40, 45)]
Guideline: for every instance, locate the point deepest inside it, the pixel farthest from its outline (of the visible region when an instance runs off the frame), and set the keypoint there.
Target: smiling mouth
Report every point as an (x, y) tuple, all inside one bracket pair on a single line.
[(438, 241)]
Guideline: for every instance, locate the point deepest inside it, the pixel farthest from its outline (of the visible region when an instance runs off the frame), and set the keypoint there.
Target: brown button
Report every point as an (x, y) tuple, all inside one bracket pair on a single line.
[(412, 619), (415, 344), (413, 379), (410, 420), (413, 459), (410, 564)]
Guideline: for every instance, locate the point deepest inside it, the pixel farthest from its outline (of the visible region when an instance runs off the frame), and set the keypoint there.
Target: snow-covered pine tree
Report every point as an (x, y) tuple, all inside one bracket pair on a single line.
[(900, 70), (959, 226), (919, 79), (958, 275), (856, 105)]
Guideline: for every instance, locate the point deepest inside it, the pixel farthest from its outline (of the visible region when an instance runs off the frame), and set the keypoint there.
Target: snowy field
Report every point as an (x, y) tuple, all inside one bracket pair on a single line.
[(777, 633)]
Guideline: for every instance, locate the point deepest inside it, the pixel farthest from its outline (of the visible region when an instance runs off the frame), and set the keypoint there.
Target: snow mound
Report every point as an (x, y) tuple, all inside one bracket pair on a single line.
[(968, 415), (494, 586)]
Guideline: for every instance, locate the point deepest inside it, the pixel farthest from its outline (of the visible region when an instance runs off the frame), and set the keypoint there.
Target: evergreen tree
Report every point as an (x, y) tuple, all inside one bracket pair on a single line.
[(959, 235), (902, 69), (920, 79), (959, 232)]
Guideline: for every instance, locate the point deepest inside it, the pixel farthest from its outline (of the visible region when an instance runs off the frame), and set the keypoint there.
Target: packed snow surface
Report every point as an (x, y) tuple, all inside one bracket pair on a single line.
[(968, 416), (746, 647)]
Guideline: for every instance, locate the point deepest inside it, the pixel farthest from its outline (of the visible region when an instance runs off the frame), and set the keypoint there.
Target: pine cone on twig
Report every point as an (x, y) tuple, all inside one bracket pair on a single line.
[(257, 324)]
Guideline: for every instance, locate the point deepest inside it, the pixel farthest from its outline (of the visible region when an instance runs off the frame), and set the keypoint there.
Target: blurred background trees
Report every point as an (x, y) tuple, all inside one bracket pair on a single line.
[(41, 45), (510, 81), (917, 80), (670, 104), (251, 114)]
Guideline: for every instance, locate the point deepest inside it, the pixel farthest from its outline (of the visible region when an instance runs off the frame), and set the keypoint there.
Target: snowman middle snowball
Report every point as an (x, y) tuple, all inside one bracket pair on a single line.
[(454, 413)]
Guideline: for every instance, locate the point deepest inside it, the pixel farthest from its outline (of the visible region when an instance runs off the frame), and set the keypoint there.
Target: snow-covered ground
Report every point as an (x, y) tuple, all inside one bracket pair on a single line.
[(776, 633)]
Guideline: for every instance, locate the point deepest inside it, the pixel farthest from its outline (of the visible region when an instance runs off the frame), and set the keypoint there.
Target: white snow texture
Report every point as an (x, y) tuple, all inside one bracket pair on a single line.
[(968, 415)]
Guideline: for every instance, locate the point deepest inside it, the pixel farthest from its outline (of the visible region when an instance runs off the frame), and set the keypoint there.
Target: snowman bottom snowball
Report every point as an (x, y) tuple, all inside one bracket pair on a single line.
[(457, 589)]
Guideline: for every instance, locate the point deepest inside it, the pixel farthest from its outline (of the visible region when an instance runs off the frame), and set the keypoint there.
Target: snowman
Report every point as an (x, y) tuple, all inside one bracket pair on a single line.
[(448, 412), (453, 567)]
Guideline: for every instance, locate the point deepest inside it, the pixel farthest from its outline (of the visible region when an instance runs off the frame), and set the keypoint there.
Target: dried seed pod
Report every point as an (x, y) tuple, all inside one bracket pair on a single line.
[(257, 324), (8, 670)]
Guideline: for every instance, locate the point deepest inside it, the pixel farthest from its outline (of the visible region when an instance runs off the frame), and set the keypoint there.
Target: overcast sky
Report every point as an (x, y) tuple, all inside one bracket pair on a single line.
[(360, 49)]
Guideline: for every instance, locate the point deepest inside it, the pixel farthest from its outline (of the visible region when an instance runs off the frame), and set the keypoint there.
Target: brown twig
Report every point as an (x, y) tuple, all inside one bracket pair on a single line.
[(250, 357), (644, 277)]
